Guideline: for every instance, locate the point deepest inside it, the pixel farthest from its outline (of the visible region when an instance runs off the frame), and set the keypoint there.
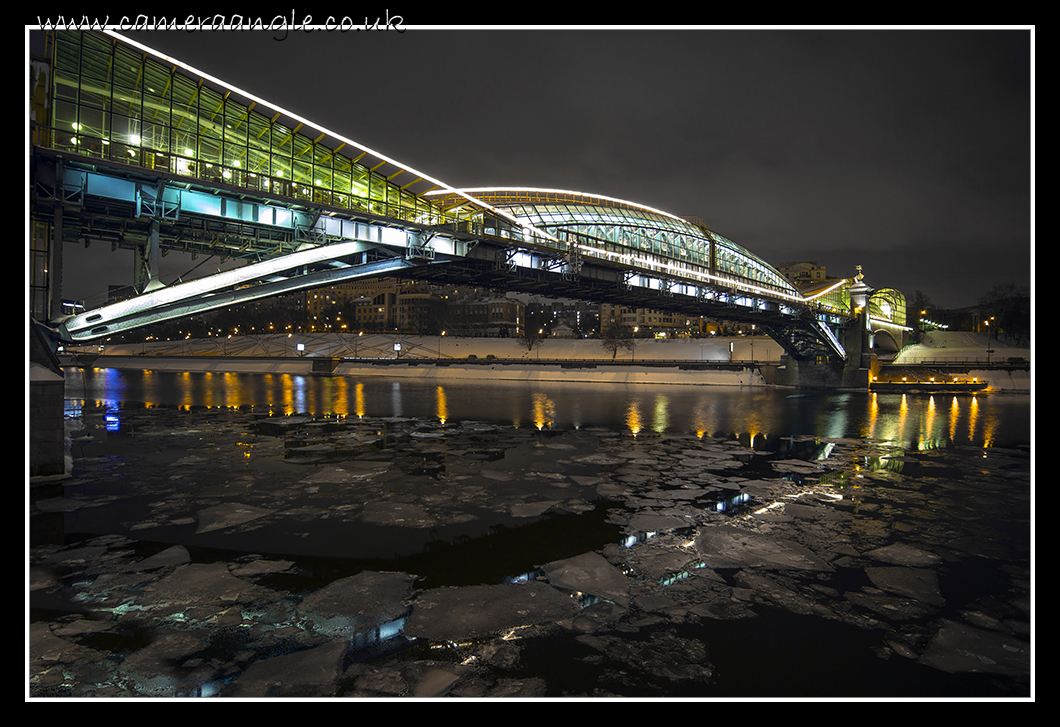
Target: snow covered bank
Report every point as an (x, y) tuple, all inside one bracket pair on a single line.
[(391, 346), (981, 352), (449, 358)]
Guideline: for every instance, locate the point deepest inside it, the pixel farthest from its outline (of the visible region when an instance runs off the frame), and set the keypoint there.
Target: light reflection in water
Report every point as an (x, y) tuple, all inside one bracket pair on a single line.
[(661, 417), (232, 390), (443, 408), (633, 416), (759, 418), (111, 418), (544, 411), (298, 388), (359, 399)]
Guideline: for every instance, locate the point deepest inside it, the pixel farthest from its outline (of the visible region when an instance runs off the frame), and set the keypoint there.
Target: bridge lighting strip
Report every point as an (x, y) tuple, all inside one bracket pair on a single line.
[(472, 190), (826, 291), (878, 319), (203, 286), (634, 261), (318, 127)]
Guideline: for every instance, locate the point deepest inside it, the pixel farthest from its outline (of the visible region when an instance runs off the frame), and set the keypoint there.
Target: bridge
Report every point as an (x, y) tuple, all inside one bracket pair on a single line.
[(135, 150)]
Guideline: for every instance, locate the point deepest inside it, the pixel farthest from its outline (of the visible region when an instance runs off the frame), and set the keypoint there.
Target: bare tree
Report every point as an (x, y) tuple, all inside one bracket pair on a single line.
[(615, 335), (532, 336), (1008, 308)]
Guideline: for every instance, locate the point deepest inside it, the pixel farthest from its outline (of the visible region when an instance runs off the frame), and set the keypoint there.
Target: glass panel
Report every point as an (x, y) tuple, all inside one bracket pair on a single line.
[(185, 102), (158, 80), (125, 130), (341, 182), (95, 94), (302, 171), (359, 184), (281, 143), (210, 107), (65, 117), (235, 121), (68, 52), (127, 99), (96, 58), (259, 135), (128, 69), (209, 150), (235, 155), (155, 136), (92, 122)]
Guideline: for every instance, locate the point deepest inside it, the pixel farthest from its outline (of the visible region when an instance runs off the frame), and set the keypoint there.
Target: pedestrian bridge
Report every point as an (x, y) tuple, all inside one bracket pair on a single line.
[(136, 150)]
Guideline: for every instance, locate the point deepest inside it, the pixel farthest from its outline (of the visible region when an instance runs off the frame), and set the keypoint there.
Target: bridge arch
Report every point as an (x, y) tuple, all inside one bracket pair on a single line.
[(887, 320), (622, 230)]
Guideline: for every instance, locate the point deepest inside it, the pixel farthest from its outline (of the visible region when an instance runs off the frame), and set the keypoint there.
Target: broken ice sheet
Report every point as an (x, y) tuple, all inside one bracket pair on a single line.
[(902, 554), (199, 584), (589, 573), (533, 509), (359, 603), (227, 515), (308, 673), (920, 584), (350, 471), (404, 514), (796, 466), (728, 547), (472, 611), (958, 647)]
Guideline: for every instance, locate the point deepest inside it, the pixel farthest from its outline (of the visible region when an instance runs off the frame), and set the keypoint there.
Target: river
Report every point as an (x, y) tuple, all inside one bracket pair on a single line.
[(760, 416), (889, 535)]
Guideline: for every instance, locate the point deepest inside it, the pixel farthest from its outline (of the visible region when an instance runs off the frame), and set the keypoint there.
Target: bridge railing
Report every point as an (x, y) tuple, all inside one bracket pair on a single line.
[(964, 361)]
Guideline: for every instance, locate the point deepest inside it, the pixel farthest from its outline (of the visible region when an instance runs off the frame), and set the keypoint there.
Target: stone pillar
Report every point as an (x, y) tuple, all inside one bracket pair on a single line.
[(47, 390)]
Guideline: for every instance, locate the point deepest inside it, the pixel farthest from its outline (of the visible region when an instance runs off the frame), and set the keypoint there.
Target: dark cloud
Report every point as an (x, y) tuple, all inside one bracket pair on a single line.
[(846, 147)]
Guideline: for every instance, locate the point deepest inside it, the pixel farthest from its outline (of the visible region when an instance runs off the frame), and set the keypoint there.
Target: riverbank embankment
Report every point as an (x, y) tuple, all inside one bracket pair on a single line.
[(732, 361), (739, 361)]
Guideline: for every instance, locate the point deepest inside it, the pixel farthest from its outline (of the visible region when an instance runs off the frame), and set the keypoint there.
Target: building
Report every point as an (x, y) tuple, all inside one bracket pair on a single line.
[(803, 273)]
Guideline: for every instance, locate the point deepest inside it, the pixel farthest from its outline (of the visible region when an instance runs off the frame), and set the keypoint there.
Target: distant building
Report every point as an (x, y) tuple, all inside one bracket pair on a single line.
[(648, 323), (406, 306), (803, 273)]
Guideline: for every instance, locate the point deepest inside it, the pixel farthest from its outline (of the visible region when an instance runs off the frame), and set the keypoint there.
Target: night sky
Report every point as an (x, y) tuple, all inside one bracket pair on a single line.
[(908, 152)]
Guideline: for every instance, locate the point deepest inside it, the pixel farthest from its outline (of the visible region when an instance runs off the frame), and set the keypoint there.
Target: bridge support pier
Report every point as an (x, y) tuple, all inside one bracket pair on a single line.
[(47, 389), (850, 374)]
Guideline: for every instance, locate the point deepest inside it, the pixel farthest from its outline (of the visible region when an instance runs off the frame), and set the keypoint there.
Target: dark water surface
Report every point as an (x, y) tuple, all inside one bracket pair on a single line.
[(914, 510), (759, 416)]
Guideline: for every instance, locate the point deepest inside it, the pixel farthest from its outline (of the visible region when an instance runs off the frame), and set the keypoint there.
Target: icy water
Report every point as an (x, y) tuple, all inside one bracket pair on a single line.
[(233, 535)]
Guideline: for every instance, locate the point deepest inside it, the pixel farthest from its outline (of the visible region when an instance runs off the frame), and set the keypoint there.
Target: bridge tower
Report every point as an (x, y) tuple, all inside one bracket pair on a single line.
[(858, 343)]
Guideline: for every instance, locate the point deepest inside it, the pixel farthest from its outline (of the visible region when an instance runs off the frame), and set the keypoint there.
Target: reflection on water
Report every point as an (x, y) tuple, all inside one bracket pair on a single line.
[(757, 417), (544, 411)]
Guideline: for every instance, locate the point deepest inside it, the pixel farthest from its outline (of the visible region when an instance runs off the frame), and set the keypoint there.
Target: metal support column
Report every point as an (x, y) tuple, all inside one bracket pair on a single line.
[(55, 266)]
